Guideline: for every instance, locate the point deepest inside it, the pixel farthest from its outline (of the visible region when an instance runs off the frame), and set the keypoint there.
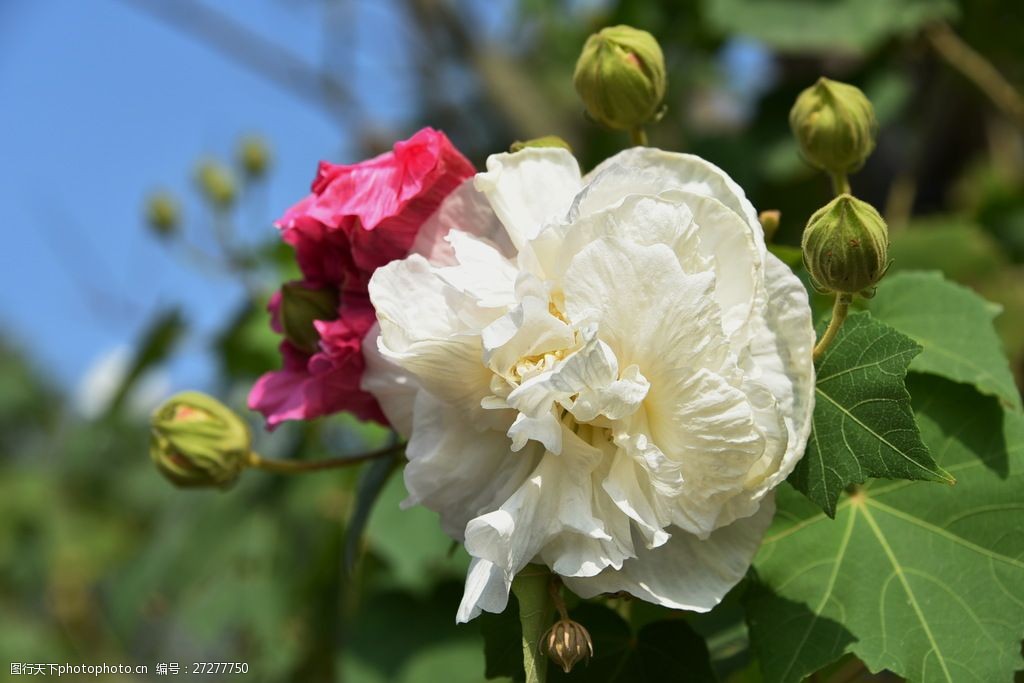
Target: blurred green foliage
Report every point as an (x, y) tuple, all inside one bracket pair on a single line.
[(101, 560)]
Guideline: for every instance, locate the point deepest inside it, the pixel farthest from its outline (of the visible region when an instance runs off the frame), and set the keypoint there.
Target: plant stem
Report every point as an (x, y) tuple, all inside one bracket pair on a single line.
[(638, 136), (838, 316), (840, 183), (977, 70), (299, 466), (531, 587)]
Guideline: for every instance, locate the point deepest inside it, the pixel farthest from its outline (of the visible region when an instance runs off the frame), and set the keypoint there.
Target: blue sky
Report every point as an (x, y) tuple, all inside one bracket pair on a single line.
[(102, 103)]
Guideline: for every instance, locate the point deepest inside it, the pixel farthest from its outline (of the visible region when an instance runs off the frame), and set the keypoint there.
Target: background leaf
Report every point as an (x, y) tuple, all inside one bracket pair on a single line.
[(953, 325), (863, 425), (824, 26), (926, 581)]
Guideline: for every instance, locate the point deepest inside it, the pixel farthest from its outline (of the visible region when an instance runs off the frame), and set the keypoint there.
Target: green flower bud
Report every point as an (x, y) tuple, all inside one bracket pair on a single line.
[(163, 215), (846, 247), (835, 125), (546, 141), (253, 156), (620, 76), (300, 306), (216, 183), (197, 441), (567, 643)]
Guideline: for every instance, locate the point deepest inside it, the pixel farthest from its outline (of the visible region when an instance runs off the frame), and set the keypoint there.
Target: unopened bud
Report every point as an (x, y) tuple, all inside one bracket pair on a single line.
[(197, 441), (300, 307), (163, 214), (216, 183), (253, 156), (546, 141), (567, 643), (620, 76), (835, 125), (769, 223), (846, 247)]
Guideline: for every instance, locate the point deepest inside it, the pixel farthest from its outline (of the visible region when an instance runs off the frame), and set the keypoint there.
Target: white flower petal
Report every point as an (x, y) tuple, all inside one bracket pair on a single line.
[(459, 472), (686, 572), (650, 171), (530, 189), (647, 309), (394, 387), (556, 498), (781, 350), (465, 210), (527, 330)]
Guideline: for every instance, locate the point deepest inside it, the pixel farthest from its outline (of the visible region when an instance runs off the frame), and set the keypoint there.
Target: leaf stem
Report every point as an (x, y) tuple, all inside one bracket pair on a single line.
[(300, 466), (638, 136), (840, 183), (532, 589), (839, 310)]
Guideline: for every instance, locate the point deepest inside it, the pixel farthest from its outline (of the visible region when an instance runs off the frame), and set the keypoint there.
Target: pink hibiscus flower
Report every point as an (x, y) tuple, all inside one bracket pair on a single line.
[(357, 219)]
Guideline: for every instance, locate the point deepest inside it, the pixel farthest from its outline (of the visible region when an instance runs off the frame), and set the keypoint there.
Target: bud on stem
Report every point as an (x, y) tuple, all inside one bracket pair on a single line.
[(835, 126), (197, 441), (301, 306), (567, 642), (620, 76), (846, 247)]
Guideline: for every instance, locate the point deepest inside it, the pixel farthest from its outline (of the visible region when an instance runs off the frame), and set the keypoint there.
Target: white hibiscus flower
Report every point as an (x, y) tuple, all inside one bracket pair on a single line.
[(606, 374)]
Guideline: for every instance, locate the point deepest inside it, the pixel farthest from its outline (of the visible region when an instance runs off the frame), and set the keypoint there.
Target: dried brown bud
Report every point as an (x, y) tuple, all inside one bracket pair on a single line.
[(567, 643)]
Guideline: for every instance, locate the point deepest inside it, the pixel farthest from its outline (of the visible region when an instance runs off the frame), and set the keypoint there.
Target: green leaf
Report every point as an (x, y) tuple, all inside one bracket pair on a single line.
[(371, 483), (417, 552), (863, 425), (953, 325), (854, 26), (960, 250), (158, 341), (247, 347), (925, 581)]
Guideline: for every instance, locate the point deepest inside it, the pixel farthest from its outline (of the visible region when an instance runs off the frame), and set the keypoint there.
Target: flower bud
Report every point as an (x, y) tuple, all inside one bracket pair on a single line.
[(253, 156), (216, 183), (300, 306), (197, 441), (620, 76), (769, 223), (568, 643), (835, 125), (546, 141), (163, 214), (846, 247)]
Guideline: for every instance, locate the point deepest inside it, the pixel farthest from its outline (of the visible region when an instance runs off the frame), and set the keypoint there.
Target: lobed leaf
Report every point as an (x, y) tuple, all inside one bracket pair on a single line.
[(954, 327), (927, 582), (863, 425)]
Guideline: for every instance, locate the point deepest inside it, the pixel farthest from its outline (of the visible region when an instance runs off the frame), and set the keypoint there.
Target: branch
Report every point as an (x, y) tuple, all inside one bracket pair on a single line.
[(977, 70), (264, 57)]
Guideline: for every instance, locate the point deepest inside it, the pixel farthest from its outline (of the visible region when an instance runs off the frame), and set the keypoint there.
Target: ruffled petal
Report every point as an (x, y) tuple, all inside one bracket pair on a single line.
[(686, 572), (394, 387), (781, 350), (457, 470), (650, 171), (556, 498), (466, 210), (529, 189)]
